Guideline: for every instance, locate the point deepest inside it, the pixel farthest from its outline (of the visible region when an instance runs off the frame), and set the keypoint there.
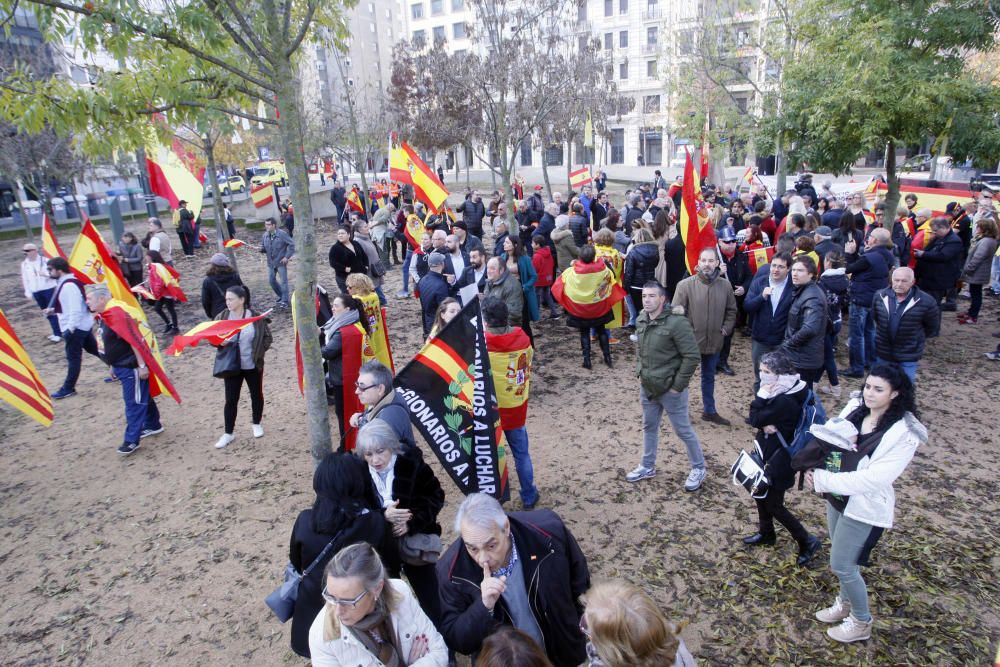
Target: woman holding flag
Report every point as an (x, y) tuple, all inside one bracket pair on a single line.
[(346, 333), (587, 291), (165, 288), (604, 241), (252, 342)]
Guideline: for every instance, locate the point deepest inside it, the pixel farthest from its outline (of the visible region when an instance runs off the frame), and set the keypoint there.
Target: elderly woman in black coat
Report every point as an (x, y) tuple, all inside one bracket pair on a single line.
[(806, 329), (775, 412)]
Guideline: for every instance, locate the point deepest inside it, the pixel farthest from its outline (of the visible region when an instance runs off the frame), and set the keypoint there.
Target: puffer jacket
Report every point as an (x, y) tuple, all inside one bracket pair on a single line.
[(869, 273), (667, 351), (921, 320), (977, 267), (640, 265), (806, 327), (566, 250), (581, 231), (939, 267), (710, 306)]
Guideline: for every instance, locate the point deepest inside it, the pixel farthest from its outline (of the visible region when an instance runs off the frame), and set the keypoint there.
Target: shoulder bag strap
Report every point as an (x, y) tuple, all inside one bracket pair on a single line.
[(322, 555)]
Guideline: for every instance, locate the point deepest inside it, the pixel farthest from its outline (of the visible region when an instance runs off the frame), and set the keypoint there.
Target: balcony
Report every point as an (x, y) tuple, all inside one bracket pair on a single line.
[(652, 14), (649, 49)]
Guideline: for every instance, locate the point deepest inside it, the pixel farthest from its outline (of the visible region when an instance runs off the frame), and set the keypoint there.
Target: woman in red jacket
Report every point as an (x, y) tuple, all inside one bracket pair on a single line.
[(544, 264)]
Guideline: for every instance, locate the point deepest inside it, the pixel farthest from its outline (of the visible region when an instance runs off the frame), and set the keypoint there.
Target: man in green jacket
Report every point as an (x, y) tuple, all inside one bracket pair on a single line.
[(668, 355)]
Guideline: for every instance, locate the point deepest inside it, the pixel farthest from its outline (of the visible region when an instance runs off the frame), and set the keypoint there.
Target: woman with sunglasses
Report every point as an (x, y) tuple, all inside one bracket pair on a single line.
[(342, 514), (370, 620)]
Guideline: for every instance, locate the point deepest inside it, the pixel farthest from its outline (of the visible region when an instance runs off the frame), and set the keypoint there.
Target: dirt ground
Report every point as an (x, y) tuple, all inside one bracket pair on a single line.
[(165, 557)]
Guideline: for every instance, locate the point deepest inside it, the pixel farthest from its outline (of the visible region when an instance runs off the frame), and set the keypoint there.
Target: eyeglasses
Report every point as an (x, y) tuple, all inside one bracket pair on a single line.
[(332, 599), (728, 241), (361, 387)]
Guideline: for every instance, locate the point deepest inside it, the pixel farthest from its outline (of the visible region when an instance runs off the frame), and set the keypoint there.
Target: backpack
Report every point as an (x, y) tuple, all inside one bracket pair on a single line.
[(812, 413)]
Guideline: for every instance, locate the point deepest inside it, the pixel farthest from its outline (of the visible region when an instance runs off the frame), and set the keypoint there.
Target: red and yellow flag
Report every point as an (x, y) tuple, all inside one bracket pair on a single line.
[(20, 385), (614, 259), (125, 321), (758, 255), (405, 166), (174, 175), (414, 231), (164, 281), (92, 262), (262, 194), (354, 201), (694, 226), (378, 334), (587, 291), (444, 360), (580, 177), (234, 243), (50, 245), (215, 332), (510, 363)]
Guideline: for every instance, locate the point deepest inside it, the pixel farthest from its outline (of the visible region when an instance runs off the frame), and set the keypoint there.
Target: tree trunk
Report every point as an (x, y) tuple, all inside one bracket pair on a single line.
[(468, 180), (18, 189), (545, 173), (569, 166), (892, 179), (780, 166), (221, 229), (290, 134)]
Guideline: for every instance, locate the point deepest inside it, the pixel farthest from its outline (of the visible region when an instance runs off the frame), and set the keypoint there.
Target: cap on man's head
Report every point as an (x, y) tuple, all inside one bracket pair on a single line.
[(824, 232), (952, 205), (435, 259), (538, 188), (727, 234), (218, 259), (182, 202), (100, 289), (29, 247), (460, 224)]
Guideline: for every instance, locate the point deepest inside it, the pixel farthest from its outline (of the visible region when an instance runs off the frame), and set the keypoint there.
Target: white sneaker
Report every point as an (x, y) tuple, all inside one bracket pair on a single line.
[(224, 441), (54, 338), (258, 430), (633, 338), (695, 479), (640, 473)]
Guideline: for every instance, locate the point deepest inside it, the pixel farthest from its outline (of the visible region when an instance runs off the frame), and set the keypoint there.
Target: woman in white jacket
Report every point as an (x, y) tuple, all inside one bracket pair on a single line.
[(858, 488), (370, 620)]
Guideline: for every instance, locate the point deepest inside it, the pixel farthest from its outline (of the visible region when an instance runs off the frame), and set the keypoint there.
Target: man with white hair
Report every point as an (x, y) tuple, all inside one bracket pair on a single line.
[(523, 569), (39, 285)]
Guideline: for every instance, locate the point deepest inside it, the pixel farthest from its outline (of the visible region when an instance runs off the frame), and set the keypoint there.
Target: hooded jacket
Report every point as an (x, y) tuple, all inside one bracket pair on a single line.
[(940, 265), (566, 250), (640, 265), (667, 351), (710, 306)]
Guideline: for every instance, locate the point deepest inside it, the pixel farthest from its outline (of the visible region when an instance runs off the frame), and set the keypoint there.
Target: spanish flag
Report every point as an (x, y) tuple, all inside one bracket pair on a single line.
[(50, 245), (580, 177), (414, 230), (694, 226), (354, 201), (216, 332), (587, 291), (262, 194), (405, 166), (202, 237), (20, 385), (164, 281), (378, 331), (91, 262), (920, 241), (614, 259), (234, 243), (758, 255), (125, 321), (171, 178), (510, 362), (355, 352)]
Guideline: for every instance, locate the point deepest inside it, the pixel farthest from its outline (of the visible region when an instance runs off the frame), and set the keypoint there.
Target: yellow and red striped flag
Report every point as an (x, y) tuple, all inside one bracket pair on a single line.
[(164, 281), (91, 262), (131, 326), (19, 382), (580, 177), (354, 200), (758, 256), (614, 259), (202, 237), (234, 243), (50, 245), (405, 166), (142, 291), (694, 226), (747, 176), (262, 195), (588, 291), (378, 331), (510, 362), (216, 332)]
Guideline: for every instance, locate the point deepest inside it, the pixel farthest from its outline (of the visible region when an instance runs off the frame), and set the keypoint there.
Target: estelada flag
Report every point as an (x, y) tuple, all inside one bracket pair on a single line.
[(580, 177), (414, 230), (215, 332), (354, 201), (234, 243), (50, 245), (124, 320), (91, 262), (378, 331), (164, 281), (694, 226), (20, 385), (758, 255), (448, 390), (405, 166), (510, 361), (262, 194), (587, 291), (613, 258)]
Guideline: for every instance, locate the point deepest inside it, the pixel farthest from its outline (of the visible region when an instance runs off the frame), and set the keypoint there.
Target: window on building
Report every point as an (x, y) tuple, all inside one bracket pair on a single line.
[(651, 5), (371, 27), (623, 39), (554, 156), (685, 42), (419, 37), (742, 37), (651, 145), (609, 7), (458, 30), (581, 11), (651, 104), (651, 36), (741, 104), (623, 71), (582, 43), (623, 6), (417, 10), (609, 41), (609, 71), (526, 152), (437, 7), (650, 69), (457, 5), (618, 146), (439, 35)]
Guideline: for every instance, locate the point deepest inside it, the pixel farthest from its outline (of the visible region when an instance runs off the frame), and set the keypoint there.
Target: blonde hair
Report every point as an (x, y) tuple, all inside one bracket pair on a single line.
[(604, 236), (986, 227), (626, 627), (359, 284), (359, 561), (642, 235)]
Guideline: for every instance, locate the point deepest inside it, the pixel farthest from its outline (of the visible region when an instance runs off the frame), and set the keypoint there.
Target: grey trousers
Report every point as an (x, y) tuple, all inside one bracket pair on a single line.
[(676, 407)]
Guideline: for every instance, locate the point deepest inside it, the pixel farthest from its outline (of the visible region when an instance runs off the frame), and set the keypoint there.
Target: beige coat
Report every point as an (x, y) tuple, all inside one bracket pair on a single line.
[(710, 306)]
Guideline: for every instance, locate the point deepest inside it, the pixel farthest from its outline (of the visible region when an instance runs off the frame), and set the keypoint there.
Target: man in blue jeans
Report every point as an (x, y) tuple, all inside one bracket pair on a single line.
[(75, 322), (279, 248), (869, 270), (128, 365), (905, 317), (510, 359)]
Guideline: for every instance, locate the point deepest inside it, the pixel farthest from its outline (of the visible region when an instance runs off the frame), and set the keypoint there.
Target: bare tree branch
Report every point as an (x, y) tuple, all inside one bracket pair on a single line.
[(303, 29)]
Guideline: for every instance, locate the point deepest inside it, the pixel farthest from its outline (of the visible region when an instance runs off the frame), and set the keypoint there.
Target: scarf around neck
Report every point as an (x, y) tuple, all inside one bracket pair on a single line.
[(376, 634)]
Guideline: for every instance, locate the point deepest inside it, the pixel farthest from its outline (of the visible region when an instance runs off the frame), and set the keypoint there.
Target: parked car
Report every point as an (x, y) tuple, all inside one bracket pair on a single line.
[(232, 184), (920, 162)]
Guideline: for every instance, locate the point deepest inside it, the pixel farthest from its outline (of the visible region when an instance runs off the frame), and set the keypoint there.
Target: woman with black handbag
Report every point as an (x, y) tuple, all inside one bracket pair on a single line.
[(410, 497), (241, 359), (342, 514), (775, 412)]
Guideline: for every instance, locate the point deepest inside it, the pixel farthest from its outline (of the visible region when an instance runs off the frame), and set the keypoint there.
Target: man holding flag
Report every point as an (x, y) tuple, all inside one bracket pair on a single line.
[(124, 349)]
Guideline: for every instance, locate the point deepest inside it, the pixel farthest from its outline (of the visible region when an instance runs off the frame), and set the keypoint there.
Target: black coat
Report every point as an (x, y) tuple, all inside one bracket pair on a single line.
[(333, 352), (768, 327), (498, 244), (783, 412), (806, 326), (578, 225), (556, 574), (341, 258), (939, 267), (306, 544), (597, 213), (676, 268), (433, 290), (473, 213), (921, 320), (640, 265), (213, 292), (738, 271), (869, 273)]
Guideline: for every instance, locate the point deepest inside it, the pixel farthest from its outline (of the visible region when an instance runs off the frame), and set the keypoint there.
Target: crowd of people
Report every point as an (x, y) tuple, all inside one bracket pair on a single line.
[(514, 588)]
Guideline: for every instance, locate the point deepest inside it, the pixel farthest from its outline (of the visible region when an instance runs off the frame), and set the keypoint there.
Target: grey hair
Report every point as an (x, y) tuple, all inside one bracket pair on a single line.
[(552, 208), (779, 362), (480, 510), (362, 561), (562, 221), (377, 434), (380, 374), (634, 200)]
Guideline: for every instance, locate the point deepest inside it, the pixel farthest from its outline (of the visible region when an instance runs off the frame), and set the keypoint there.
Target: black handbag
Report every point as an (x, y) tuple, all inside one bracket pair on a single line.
[(282, 599), (227, 360)]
